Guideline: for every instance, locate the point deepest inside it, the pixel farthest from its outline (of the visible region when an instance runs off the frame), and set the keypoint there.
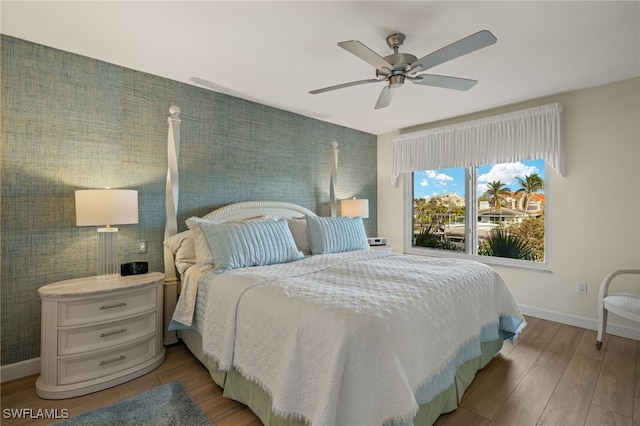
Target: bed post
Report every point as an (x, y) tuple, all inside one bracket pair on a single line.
[(333, 180), (171, 226)]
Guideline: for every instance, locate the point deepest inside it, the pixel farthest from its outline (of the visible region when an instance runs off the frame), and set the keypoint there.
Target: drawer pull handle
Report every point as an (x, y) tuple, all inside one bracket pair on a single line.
[(117, 305), (111, 333), (120, 358)]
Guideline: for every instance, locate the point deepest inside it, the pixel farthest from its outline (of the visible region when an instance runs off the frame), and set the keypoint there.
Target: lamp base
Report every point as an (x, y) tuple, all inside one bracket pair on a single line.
[(108, 267)]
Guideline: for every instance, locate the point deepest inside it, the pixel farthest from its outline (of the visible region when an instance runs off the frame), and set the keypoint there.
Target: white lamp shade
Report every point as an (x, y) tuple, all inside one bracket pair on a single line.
[(354, 207), (99, 207)]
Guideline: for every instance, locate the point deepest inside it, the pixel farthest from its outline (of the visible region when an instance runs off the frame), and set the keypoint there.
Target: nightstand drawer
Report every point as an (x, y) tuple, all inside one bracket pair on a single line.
[(81, 369), (87, 311), (86, 339)]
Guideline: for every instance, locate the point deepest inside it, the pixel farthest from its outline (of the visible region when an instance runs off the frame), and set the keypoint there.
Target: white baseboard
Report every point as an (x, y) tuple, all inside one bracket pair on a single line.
[(583, 322), (20, 369)]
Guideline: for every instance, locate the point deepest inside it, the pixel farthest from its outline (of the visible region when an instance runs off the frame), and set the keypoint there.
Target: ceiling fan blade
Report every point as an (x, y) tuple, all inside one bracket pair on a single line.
[(385, 97), (455, 83), (468, 44), (367, 55), (343, 85)]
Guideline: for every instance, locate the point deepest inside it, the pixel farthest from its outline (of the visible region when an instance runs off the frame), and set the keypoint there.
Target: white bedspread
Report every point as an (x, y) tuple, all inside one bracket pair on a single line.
[(312, 332)]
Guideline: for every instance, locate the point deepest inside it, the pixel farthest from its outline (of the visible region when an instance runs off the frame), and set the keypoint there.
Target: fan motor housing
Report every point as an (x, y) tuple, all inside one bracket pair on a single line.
[(400, 61), (396, 80)]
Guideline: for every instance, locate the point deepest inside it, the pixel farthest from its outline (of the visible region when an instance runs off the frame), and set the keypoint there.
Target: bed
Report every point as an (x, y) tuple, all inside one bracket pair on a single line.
[(294, 316)]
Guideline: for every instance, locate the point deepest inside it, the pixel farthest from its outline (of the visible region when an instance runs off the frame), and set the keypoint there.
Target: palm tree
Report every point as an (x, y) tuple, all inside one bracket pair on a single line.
[(496, 191), (420, 211), (529, 185)]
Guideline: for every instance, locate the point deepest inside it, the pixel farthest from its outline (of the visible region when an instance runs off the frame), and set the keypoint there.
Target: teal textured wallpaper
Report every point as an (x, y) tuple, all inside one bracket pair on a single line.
[(71, 122)]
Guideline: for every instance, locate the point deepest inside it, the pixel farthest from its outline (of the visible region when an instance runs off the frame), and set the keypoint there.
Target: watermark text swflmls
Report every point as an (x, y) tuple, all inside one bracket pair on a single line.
[(37, 413)]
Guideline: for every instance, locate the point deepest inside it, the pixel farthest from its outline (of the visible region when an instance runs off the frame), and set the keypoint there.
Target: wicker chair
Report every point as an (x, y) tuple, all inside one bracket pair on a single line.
[(626, 305)]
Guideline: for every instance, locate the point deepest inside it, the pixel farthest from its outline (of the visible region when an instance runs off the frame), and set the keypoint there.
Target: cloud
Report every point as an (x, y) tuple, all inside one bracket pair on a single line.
[(440, 177), (506, 173), (432, 179)]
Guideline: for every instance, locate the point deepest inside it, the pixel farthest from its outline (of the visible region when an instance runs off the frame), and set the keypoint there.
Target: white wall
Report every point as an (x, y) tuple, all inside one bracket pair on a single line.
[(594, 210)]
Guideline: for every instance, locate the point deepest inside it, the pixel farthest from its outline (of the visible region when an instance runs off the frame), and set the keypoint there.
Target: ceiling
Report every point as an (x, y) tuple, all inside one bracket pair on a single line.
[(274, 53)]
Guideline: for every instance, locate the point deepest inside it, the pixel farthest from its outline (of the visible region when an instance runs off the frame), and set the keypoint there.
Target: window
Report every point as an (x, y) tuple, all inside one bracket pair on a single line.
[(439, 209), (495, 210), (499, 223)]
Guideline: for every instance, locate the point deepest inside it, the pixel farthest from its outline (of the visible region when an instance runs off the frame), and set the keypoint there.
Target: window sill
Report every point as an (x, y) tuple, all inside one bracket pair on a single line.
[(488, 260)]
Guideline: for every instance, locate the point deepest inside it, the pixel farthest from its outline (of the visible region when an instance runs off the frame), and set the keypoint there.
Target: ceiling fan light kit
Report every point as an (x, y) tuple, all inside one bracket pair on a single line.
[(399, 67)]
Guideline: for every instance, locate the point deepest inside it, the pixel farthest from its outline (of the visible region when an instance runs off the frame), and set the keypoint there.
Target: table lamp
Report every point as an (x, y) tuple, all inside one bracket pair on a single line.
[(106, 207), (354, 207)]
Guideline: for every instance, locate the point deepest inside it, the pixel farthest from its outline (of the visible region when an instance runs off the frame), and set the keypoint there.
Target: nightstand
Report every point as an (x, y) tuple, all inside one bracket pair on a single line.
[(381, 248), (99, 333)]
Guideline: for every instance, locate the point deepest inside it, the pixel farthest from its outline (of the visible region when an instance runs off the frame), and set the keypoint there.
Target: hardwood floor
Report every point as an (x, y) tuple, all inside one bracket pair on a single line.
[(553, 376)]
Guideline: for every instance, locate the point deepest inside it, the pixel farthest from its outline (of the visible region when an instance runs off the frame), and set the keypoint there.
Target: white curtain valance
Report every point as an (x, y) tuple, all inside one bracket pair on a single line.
[(520, 135)]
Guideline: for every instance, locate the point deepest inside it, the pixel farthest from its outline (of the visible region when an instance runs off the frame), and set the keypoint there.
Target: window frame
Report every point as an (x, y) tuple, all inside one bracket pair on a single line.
[(471, 235)]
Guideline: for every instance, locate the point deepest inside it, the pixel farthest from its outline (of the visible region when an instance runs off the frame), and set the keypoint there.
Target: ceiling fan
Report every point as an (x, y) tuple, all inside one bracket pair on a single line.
[(399, 67)]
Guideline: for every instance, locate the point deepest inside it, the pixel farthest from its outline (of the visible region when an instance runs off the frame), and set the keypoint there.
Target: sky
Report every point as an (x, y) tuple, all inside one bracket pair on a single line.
[(444, 181)]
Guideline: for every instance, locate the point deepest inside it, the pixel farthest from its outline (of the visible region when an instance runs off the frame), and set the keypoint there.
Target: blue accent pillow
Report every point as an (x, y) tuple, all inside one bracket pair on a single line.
[(336, 234), (252, 243)]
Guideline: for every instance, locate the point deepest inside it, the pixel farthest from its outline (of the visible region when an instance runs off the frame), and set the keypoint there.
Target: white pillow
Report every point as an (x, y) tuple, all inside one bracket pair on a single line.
[(298, 227), (183, 248), (204, 259), (252, 243), (336, 234)]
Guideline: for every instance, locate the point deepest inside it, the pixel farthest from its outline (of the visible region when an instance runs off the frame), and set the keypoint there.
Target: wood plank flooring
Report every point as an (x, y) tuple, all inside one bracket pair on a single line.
[(552, 376)]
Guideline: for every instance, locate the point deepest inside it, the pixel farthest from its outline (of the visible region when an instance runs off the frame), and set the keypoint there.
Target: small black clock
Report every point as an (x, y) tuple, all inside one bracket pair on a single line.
[(134, 268)]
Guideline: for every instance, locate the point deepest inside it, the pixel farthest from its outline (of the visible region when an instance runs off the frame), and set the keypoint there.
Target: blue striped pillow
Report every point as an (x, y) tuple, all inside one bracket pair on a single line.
[(252, 243), (336, 234)]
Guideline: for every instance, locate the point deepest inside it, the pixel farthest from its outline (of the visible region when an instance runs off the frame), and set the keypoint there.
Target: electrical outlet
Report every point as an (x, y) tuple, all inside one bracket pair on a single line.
[(581, 288), (142, 246)]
